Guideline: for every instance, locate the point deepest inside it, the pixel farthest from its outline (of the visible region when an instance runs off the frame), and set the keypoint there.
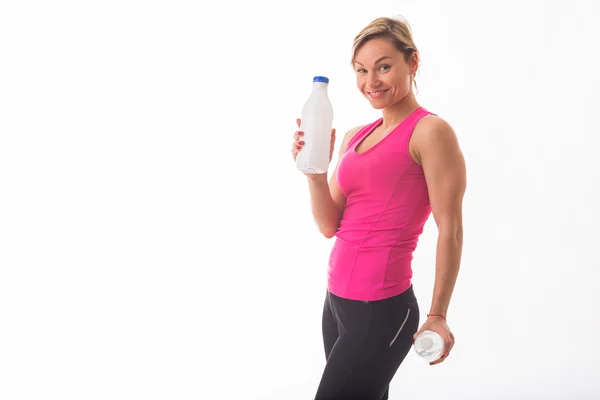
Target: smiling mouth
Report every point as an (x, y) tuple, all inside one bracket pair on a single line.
[(376, 94)]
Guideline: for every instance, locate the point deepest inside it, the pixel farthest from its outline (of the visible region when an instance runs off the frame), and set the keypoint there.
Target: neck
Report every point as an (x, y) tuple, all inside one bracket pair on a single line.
[(396, 113)]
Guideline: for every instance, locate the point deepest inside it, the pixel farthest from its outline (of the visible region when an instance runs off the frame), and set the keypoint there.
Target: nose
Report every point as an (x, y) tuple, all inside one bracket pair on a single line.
[(372, 80)]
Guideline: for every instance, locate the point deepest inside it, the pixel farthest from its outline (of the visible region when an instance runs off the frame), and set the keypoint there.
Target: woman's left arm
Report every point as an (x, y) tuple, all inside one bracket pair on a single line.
[(438, 151)]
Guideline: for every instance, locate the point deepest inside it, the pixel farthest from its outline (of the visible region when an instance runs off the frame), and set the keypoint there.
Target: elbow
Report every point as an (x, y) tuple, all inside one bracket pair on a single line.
[(330, 225), (453, 232), (328, 232)]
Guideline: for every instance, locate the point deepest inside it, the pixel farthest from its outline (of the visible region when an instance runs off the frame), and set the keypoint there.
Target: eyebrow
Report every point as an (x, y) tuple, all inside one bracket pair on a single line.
[(382, 58)]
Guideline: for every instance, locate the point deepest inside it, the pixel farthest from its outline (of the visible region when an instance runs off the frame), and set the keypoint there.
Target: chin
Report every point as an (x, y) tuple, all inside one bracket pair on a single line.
[(378, 105)]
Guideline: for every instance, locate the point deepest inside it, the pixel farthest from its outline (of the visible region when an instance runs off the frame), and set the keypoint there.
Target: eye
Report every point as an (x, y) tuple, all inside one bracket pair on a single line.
[(361, 70), (384, 67)]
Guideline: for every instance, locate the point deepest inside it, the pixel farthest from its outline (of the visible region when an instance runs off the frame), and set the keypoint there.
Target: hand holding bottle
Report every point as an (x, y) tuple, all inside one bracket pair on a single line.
[(434, 326), (314, 155), (299, 143)]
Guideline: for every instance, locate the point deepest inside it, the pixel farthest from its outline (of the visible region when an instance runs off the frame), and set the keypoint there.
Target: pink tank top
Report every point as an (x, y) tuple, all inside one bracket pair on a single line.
[(387, 205)]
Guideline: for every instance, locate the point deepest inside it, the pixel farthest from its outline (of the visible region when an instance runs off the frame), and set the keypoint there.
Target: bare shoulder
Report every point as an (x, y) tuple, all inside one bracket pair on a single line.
[(434, 128), (433, 132)]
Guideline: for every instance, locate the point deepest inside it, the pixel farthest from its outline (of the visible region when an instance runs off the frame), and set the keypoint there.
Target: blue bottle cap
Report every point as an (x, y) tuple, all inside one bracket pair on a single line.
[(321, 79)]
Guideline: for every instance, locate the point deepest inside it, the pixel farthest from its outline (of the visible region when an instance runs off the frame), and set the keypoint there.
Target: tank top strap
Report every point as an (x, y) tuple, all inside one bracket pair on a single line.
[(408, 126), (416, 117), (364, 131)]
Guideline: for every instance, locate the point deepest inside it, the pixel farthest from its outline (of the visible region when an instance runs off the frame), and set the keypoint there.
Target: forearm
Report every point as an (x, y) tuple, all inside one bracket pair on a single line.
[(448, 256), (326, 213)]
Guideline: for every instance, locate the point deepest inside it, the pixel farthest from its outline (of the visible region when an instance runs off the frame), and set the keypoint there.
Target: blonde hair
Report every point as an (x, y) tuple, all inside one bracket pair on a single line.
[(397, 30)]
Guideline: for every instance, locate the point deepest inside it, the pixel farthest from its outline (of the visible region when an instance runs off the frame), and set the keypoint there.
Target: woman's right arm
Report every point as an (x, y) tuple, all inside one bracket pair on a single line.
[(326, 198)]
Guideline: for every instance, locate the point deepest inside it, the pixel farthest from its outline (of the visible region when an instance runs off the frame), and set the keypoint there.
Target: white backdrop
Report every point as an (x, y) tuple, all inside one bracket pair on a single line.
[(156, 241)]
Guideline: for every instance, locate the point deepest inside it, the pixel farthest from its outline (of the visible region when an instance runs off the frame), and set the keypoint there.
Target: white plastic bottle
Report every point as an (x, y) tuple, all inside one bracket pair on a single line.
[(429, 345), (317, 123)]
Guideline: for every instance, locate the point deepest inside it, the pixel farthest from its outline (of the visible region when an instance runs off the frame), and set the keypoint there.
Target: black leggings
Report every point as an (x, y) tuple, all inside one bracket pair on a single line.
[(365, 343)]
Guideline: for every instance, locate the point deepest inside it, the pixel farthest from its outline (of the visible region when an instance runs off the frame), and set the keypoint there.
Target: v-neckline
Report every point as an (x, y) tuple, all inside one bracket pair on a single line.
[(377, 125)]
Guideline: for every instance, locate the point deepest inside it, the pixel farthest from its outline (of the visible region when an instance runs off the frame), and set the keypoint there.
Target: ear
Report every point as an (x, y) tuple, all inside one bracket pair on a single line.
[(414, 63)]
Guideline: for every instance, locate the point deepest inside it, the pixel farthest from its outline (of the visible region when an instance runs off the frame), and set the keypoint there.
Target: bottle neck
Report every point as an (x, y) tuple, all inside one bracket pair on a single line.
[(320, 86)]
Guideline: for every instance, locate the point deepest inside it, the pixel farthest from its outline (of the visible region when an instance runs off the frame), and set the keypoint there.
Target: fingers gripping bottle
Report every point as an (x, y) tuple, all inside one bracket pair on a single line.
[(429, 345), (317, 123)]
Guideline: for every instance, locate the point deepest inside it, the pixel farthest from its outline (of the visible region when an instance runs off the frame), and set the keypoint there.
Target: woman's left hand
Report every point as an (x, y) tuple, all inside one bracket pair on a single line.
[(439, 326)]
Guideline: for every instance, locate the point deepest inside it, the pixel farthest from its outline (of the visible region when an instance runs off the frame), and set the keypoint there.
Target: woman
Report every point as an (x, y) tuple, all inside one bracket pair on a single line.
[(391, 175)]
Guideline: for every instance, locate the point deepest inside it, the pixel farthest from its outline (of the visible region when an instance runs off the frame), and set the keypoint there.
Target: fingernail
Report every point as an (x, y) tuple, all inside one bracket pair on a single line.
[(301, 142), (300, 133)]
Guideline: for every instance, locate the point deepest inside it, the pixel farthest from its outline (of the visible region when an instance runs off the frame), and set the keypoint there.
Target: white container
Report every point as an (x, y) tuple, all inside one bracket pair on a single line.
[(317, 123), (429, 345)]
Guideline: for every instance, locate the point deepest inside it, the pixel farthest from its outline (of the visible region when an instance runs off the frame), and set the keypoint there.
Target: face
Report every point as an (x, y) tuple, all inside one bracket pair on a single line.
[(382, 74)]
